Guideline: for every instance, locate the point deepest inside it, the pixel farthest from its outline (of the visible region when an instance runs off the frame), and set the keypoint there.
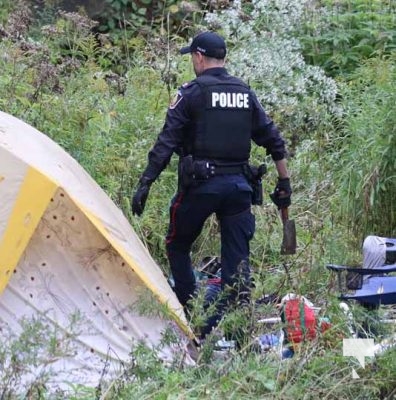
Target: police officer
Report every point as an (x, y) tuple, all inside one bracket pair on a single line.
[(210, 125)]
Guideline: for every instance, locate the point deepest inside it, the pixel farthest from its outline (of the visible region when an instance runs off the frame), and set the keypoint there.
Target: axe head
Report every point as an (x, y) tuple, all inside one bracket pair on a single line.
[(289, 242)]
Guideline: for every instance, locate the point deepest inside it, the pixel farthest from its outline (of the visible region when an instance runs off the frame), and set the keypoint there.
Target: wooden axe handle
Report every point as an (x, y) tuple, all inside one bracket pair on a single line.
[(284, 214)]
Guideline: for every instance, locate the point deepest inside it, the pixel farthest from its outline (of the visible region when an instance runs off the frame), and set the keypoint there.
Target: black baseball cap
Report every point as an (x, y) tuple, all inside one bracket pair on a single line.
[(209, 44)]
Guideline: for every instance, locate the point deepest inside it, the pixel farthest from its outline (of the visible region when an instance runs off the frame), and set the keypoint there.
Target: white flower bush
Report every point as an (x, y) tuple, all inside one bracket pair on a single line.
[(265, 52)]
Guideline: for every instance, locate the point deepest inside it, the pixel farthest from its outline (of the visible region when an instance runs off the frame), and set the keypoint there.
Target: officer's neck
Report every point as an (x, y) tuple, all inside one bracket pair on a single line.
[(203, 63), (210, 70)]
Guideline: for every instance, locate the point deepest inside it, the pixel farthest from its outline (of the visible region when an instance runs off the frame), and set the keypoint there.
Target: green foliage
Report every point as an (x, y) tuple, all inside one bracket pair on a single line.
[(366, 151), (315, 371), (340, 35), (103, 99), (5, 7), (138, 15), (27, 356)]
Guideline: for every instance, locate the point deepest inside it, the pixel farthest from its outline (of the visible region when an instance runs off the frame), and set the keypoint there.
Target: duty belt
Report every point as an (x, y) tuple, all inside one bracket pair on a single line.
[(227, 169)]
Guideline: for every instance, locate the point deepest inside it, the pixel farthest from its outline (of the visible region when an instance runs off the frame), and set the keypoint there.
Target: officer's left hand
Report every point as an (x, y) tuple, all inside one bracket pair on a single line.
[(282, 193), (140, 196)]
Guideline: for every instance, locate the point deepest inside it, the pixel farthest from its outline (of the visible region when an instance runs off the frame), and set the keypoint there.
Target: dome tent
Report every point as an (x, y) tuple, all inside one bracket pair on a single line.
[(69, 257)]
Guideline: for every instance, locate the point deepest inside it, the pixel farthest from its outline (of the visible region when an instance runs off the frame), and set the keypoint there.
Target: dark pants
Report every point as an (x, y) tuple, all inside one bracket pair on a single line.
[(229, 197)]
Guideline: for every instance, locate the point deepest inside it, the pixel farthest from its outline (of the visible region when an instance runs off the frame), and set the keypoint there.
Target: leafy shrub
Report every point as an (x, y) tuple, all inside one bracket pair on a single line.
[(340, 35), (146, 15)]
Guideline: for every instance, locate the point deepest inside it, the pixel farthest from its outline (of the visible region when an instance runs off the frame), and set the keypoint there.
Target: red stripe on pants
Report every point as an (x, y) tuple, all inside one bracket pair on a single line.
[(173, 217)]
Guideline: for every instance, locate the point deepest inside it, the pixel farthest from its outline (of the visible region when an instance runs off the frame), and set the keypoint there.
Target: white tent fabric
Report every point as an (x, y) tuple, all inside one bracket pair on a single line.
[(69, 258)]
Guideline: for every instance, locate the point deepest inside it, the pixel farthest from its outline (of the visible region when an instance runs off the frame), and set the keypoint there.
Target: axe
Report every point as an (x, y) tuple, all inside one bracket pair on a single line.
[(289, 233)]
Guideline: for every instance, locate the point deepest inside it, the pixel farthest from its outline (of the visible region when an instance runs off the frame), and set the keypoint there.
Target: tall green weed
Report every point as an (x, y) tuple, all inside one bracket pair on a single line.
[(365, 152)]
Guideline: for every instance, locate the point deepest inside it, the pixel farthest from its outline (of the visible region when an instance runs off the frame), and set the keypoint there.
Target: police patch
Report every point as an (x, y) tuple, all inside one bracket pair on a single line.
[(176, 100)]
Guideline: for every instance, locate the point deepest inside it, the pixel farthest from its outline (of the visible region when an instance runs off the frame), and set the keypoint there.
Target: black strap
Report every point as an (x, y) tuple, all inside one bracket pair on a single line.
[(228, 169)]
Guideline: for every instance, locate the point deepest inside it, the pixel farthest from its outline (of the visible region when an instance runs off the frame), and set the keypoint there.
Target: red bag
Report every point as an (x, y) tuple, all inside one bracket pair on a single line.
[(300, 321)]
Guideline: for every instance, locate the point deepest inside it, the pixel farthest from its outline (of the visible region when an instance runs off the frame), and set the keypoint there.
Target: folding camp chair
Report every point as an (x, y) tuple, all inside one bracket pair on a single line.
[(374, 284)]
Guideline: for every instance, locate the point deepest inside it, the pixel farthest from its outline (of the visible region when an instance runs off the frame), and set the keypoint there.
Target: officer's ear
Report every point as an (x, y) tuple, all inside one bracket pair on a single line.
[(198, 56)]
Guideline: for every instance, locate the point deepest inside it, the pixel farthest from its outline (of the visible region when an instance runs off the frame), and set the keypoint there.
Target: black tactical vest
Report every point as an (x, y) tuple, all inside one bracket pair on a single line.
[(225, 133)]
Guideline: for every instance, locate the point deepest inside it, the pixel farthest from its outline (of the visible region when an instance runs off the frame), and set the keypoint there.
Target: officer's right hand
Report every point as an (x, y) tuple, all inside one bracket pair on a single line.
[(282, 193), (140, 196)]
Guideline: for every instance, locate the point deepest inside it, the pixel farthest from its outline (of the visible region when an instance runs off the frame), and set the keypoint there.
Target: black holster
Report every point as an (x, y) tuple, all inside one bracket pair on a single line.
[(186, 172), (254, 176), (193, 171)]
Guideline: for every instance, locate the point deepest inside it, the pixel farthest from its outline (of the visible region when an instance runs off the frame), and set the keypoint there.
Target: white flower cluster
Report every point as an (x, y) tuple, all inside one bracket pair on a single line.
[(279, 16), (266, 53)]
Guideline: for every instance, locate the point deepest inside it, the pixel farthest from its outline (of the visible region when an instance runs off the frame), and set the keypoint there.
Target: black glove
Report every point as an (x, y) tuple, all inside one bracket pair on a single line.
[(282, 193), (140, 196)]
